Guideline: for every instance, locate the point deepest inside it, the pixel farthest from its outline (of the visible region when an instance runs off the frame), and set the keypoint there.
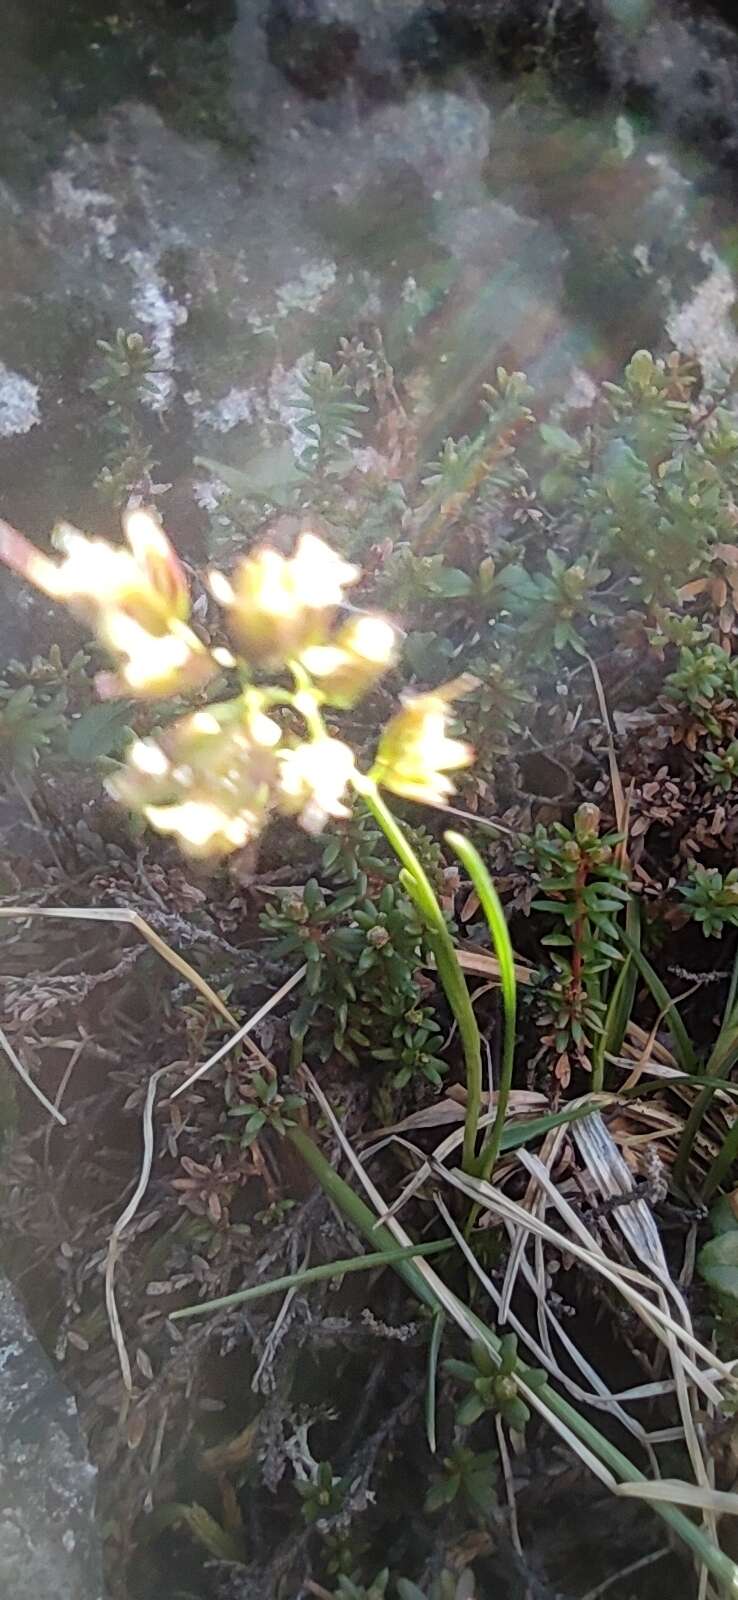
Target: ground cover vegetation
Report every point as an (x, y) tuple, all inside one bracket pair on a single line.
[(388, 1154)]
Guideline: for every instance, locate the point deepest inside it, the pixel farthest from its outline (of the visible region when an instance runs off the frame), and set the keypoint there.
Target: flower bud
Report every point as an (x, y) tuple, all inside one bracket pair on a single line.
[(587, 820)]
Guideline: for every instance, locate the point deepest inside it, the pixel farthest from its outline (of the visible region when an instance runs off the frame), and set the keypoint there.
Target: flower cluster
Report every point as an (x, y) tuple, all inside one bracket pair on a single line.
[(209, 780), (213, 778)]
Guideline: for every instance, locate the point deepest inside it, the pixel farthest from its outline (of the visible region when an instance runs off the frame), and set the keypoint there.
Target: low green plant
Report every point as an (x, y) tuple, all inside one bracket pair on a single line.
[(350, 1589), (215, 778), (551, 608), (447, 1586), (492, 1384), (35, 702), (722, 766), (469, 1476), (322, 1495), (711, 898), (265, 1106), (363, 959), (126, 386), (705, 674), (582, 887)]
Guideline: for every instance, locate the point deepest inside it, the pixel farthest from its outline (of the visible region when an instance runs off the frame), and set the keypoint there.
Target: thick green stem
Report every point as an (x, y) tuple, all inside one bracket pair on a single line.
[(447, 962), (357, 1212)]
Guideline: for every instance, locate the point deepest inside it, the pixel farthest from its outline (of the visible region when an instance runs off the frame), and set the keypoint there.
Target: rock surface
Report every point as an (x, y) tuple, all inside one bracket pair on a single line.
[(49, 1545)]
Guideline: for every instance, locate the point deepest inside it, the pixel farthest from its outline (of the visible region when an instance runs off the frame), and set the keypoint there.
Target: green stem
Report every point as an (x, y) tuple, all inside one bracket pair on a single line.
[(360, 1215), (492, 908), (327, 1269), (721, 1060), (416, 883), (722, 1164), (357, 1212)]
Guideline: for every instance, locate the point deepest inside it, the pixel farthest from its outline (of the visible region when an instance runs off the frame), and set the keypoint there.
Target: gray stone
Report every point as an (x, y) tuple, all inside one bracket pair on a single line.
[(49, 1544)]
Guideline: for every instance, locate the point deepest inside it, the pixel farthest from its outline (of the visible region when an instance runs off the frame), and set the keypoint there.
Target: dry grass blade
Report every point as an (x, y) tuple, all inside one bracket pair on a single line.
[(636, 1223), (488, 966), (678, 1493), (455, 1139), (614, 1181), (451, 1110), (600, 1456), (627, 1572), (640, 1040), (25, 1076), (240, 1034), (445, 1297), (591, 1461), (599, 1395), (134, 920), (125, 1218), (628, 1281), (118, 914), (533, 1198)]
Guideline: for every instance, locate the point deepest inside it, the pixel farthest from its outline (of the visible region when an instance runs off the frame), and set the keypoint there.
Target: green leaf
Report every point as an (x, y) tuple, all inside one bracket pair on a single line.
[(451, 583), (99, 731), (441, 1493), (471, 1409), (270, 474), (463, 1370), (558, 442), (431, 1382), (722, 1216), (557, 908), (718, 1264)]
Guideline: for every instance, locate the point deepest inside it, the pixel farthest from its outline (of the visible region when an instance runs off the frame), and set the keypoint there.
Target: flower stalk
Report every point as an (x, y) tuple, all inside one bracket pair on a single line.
[(415, 882)]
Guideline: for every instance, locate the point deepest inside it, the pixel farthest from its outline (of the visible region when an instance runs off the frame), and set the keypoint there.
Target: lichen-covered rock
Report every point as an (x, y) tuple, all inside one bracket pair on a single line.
[(49, 1546)]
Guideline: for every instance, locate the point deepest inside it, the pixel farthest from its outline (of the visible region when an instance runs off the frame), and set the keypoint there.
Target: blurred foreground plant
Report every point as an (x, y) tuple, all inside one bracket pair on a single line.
[(214, 777)]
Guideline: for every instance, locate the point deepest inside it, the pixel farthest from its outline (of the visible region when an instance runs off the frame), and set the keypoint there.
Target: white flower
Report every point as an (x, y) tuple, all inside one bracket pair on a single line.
[(313, 781), (415, 752), (361, 651), (278, 606)]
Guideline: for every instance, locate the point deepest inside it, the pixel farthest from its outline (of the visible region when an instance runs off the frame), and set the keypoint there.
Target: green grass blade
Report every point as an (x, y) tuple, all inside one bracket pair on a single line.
[(520, 1133), (680, 1038), (732, 995), (417, 885), (610, 1041), (327, 1269), (723, 1056), (722, 1164), (439, 1323), (491, 905)]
